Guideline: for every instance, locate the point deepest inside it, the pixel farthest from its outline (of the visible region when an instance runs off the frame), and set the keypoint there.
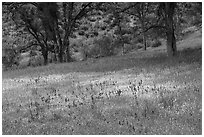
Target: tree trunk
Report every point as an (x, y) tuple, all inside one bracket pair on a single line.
[(45, 55), (171, 44), (68, 57), (143, 26), (121, 39), (60, 54), (60, 49), (171, 40), (55, 57), (144, 36)]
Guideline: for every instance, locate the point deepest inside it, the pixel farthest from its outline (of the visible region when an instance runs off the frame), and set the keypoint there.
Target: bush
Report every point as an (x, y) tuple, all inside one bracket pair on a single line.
[(129, 47), (24, 62), (136, 40), (156, 43), (36, 61), (102, 46), (139, 45), (99, 46), (9, 59), (79, 56), (27, 59), (140, 40), (93, 51)]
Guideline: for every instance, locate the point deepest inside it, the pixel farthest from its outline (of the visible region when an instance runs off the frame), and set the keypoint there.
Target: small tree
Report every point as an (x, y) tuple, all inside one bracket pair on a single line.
[(140, 13)]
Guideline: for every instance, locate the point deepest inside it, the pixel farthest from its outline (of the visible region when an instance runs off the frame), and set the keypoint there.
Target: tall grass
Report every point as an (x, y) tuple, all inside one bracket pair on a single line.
[(145, 93)]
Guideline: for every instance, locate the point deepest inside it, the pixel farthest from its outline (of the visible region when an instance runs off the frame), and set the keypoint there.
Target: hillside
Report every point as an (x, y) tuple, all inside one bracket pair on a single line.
[(142, 92)]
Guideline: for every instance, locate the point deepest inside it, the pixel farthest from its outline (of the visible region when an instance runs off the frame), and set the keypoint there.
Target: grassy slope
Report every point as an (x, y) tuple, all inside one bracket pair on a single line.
[(167, 102)]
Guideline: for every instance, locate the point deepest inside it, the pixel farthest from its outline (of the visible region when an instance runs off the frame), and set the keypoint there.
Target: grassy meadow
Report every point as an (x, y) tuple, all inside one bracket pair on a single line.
[(142, 93)]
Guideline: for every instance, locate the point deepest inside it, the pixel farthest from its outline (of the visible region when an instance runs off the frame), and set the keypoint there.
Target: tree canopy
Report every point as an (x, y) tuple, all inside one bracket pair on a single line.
[(51, 27)]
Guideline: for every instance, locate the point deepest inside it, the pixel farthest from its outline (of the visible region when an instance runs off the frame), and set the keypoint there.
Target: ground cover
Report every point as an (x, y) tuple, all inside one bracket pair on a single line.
[(138, 93)]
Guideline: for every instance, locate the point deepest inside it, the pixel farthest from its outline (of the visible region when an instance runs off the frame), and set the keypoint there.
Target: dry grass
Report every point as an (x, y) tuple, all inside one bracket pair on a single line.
[(138, 93)]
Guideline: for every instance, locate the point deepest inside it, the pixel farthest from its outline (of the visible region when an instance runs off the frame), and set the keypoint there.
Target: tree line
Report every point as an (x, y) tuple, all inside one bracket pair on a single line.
[(49, 26)]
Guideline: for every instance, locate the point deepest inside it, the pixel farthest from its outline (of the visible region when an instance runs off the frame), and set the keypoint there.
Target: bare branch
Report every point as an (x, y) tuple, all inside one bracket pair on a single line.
[(24, 48), (82, 11)]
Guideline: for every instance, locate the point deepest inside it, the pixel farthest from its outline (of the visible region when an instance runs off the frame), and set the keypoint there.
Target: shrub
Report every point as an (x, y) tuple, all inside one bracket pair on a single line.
[(156, 43), (148, 43), (136, 40), (139, 45), (36, 60), (5, 63), (27, 59), (129, 47), (103, 46), (24, 62), (140, 40), (9, 64), (93, 51), (79, 56), (99, 46), (9, 59)]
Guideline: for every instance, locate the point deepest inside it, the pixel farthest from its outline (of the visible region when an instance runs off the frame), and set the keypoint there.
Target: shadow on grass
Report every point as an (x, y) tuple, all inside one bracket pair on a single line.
[(107, 64)]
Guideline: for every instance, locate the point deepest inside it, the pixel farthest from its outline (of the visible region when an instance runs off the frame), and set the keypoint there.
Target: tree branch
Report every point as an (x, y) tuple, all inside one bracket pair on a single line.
[(151, 27), (34, 34), (155, 26), (24, 48), (82, 11), (44, 40)]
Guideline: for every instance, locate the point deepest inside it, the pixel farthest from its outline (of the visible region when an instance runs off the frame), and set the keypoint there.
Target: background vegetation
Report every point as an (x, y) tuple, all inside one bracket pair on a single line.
[(102, 68), (40, 33)]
